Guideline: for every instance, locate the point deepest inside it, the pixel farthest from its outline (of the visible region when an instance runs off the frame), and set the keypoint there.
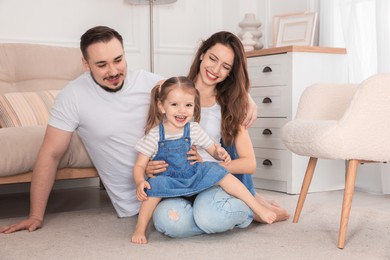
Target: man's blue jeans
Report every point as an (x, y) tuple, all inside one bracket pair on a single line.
[(213, 211)]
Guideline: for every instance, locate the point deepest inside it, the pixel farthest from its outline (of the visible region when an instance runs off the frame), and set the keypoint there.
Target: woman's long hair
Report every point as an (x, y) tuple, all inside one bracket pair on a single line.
[(232, 93)]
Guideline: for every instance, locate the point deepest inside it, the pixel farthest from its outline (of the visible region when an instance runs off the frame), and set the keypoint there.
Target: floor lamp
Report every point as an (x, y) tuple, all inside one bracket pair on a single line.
[(151, 3)]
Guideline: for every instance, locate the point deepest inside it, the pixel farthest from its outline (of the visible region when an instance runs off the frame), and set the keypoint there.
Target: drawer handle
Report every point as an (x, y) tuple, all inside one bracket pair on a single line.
[(267, 100), (267, 162), (267, 132), (267, 69)]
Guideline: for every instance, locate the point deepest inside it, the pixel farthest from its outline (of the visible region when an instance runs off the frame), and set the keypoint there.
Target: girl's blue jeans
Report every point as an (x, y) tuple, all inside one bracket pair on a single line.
[(212, 211)]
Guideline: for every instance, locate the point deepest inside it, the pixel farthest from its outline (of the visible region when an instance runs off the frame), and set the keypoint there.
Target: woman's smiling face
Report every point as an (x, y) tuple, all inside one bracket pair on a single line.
[(216, 64)]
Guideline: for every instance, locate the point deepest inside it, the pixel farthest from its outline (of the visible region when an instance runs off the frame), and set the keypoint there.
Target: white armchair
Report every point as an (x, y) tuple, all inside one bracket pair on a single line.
[(341, 122)]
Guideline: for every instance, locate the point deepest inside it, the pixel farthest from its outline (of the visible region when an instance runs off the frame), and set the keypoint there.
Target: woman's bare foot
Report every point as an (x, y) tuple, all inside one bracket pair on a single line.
[(281, 214), (139, 237), (273, 203), (265, 216)]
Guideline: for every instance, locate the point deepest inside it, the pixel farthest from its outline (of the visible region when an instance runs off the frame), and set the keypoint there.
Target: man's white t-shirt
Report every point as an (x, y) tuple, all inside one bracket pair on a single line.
[(109, 124)]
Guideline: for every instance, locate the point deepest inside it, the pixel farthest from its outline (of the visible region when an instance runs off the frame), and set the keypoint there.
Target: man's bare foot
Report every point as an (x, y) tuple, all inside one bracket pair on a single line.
[(139, 237), (281, 214)]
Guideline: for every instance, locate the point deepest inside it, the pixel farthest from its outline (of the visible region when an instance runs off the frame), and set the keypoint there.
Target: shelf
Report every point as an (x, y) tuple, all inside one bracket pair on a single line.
[(285, 49)]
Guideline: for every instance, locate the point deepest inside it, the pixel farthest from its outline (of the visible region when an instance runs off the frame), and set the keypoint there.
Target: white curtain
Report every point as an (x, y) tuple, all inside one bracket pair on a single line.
[(363, 28)]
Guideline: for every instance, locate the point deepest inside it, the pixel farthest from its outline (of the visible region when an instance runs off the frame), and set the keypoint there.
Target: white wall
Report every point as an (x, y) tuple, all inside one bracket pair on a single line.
[(178, 27)]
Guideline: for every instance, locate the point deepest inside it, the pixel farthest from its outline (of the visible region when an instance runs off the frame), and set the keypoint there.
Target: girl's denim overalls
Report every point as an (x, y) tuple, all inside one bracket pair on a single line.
[(181, 178)]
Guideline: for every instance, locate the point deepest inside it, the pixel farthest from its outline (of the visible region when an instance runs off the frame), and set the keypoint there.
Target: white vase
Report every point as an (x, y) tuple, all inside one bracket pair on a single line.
[(251, 25), (248, 42)]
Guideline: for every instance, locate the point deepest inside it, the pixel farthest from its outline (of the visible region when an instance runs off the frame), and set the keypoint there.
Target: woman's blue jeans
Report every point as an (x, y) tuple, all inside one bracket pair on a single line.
[(213, 211)]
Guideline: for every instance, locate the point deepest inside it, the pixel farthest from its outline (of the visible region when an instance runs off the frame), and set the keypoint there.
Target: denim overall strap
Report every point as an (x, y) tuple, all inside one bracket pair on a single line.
[(186, 133), (161, 132)]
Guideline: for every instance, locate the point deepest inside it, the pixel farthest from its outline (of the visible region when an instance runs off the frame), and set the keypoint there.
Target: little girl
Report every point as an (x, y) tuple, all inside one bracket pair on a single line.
[(170, 133)]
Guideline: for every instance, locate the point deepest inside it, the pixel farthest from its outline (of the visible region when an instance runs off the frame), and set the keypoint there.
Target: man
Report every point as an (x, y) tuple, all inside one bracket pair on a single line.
[(107, 106)]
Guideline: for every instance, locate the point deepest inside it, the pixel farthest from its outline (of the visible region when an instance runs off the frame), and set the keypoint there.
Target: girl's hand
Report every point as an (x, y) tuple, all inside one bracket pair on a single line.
[(223, 154), (155, 167), (141, 194), (251, 113), (192, 155)]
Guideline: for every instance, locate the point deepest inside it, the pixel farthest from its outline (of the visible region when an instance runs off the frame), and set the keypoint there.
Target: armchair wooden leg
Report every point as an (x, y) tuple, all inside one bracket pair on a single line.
[(347, 201), (305, 187)]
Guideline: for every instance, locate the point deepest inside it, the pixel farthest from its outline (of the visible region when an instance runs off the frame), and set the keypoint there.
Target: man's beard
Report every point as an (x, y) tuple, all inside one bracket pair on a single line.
[(107, 88)]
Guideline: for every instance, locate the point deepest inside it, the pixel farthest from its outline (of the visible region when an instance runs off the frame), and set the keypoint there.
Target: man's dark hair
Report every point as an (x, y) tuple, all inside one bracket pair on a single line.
[(97, 34)]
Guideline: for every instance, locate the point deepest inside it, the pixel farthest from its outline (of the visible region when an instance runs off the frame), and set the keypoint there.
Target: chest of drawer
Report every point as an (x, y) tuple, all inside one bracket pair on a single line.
[(271, 101), (268, 70), (272, 164), (266, 133)]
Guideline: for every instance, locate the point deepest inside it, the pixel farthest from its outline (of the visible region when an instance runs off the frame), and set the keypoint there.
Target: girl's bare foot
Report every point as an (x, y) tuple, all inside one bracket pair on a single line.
[(139, 237)]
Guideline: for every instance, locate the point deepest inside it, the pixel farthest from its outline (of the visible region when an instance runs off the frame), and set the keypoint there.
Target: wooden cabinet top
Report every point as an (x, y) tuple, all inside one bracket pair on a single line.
[(284, 49)]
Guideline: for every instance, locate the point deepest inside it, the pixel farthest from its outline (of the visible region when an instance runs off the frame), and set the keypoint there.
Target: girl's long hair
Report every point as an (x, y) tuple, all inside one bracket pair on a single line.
[(160, 93), (232, 93)]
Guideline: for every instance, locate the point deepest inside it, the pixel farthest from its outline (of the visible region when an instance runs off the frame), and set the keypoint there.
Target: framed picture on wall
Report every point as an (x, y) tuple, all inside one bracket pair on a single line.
[(294, 29)]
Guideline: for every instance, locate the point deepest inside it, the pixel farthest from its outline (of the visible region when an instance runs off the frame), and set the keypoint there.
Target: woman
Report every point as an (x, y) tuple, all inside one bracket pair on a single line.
[(220, 75)]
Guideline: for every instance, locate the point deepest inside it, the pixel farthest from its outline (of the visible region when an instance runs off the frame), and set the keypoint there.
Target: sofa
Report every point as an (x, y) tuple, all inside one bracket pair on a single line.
[(31, 75)]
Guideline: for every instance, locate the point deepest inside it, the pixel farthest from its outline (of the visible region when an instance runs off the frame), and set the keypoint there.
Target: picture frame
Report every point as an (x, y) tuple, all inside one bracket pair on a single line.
[(294, 29)]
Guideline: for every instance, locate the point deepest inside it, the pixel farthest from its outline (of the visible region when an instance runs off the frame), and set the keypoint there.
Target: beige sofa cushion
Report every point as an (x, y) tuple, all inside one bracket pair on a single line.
[(20, 147), (26, 108), (34, 67)]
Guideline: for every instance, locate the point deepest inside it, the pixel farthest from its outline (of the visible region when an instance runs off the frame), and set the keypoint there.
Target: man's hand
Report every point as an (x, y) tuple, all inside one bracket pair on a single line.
[(30, 224), (155, 167), (251, 113)]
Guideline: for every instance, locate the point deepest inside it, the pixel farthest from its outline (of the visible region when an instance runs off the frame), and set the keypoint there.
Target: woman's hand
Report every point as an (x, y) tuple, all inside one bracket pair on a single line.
[(251, 113), (155, 167), (193, 156)]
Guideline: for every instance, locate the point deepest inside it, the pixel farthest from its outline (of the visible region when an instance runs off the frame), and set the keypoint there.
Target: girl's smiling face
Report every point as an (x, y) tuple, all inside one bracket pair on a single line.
[(178, 108)]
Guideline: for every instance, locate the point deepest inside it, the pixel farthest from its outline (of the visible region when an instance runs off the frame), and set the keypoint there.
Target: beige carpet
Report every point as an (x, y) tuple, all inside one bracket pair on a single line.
[(99, 234)]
